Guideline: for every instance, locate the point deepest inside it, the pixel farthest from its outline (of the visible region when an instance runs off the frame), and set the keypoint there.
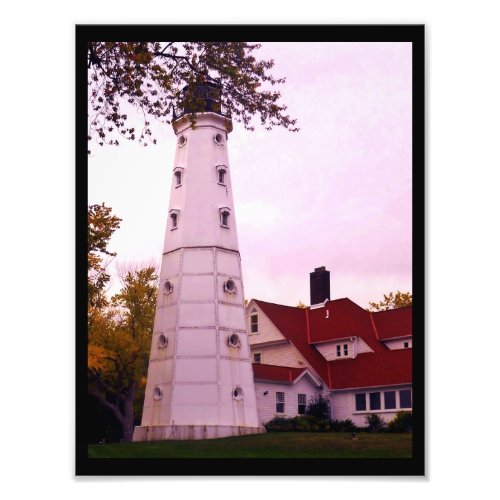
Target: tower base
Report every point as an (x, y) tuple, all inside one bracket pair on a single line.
[(184, 432)]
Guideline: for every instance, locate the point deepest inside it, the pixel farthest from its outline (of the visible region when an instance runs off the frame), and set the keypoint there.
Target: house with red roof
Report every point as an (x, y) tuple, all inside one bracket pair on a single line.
[(360, 360)]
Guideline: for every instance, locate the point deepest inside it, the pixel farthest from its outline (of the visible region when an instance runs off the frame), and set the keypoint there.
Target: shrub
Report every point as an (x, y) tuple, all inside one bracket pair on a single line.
[(303, 423), (319, 407), (403, 422), (374, 422), (343, 426), (279, 424)]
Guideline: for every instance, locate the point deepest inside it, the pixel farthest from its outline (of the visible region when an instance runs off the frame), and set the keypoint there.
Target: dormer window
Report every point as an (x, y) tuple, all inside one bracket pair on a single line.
[(178, 176), (221, 174), (224, 213), (174, 219)]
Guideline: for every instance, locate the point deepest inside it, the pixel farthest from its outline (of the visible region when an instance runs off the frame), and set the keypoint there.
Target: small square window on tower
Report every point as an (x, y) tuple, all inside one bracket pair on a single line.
[(224, 213), (174, 219), (178, 176), (221, 174)]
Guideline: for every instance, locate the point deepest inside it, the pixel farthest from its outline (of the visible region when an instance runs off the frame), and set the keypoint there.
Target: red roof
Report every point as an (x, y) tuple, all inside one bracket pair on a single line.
[(393, 323), (342, 318), (292, 323), (276, 373), (372, 370), (304, 327)]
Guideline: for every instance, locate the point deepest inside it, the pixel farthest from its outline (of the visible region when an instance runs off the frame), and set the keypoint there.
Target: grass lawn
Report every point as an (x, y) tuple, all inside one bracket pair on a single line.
[(270, 445)]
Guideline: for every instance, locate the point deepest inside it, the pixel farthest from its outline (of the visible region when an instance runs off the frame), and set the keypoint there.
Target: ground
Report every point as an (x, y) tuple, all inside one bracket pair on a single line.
[(270, 445)]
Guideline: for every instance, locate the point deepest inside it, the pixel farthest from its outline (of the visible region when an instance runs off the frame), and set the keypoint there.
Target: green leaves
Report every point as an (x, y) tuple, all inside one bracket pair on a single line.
[(152, 75), (392, 301)]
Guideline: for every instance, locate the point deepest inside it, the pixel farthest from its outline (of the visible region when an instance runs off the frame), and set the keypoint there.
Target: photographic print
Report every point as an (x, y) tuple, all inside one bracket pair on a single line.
[(250, 250)]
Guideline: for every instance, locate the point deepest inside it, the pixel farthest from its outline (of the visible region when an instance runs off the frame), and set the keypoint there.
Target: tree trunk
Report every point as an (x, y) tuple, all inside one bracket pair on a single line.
[(128, 415)]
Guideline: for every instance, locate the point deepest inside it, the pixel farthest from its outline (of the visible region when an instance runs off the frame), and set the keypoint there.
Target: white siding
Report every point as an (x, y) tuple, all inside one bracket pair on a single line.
[(329, 349), (344, 405), (266, 405), (267, 331), (362, 346), (281, 355), (398, 343)]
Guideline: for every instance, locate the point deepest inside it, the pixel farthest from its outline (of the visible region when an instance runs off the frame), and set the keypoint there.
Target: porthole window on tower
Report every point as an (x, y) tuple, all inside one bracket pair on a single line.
[(219, 139), (162, 341), (157, 393), (229, 286), (233, 340), (182, 141), (174, 218), (168, 287), (238, 393)]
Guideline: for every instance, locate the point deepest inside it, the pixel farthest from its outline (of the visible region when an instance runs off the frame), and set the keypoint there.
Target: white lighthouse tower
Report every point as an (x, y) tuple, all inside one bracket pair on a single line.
[(200, 380)]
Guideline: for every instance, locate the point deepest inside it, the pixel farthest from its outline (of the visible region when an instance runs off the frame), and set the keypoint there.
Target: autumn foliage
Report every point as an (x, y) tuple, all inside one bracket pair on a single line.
[(152, 76)]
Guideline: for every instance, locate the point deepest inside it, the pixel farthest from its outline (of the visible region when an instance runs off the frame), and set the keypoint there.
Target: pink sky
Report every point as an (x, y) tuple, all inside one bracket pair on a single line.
[(337, 193)]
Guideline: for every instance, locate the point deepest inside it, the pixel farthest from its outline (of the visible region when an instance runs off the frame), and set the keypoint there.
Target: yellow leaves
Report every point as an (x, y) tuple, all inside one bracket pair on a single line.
[(98, 358)]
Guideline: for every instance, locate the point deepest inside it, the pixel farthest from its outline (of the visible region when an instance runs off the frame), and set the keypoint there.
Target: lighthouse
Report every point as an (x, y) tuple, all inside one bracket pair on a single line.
[(200, 379)]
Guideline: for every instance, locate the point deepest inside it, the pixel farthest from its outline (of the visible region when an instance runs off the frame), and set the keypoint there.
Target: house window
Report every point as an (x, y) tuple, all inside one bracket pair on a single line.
[(339, 351), (257, 357), (280, 402), (301, 404), (360, 402), (405, 398), (346, 349), (374, 400), (406, 345), (390, 400), (254, 323)]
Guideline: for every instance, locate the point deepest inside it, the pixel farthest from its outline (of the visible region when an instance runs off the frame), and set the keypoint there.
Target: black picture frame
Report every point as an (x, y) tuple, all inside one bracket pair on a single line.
[(414, 466)]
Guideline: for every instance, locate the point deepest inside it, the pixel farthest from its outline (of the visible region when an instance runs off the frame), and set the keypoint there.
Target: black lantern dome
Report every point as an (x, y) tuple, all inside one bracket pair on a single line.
[(200, 97)]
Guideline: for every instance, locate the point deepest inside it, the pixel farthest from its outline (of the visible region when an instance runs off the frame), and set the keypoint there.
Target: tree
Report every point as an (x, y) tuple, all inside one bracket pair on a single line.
[(319, 407), (151, 76), (119, 343), (392, 301), (101, 226)]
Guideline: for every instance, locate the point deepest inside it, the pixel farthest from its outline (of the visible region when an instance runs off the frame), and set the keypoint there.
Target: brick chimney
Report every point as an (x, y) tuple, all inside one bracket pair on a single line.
[(320, 285)]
